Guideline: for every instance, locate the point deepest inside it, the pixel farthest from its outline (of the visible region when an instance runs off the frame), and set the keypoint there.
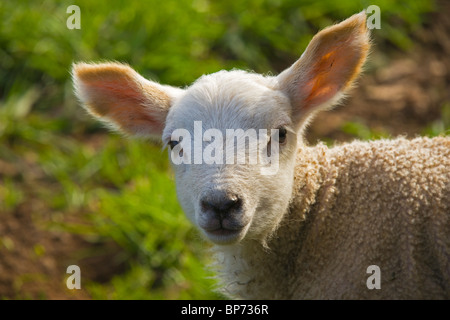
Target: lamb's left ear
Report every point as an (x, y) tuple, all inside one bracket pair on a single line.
[(119, 96), (327, 68)]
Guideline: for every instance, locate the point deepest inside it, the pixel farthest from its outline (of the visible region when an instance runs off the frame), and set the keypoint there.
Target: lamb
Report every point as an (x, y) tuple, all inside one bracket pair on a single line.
[(360, 220)]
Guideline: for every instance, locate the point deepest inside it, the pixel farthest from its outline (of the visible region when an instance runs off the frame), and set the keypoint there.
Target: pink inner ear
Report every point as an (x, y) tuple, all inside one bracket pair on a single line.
[(330, 74), (329, 65), (127, 105)]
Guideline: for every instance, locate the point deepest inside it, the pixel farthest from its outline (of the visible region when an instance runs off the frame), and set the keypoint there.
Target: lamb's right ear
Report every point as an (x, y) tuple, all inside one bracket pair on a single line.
[(327, 68), (119, 96)]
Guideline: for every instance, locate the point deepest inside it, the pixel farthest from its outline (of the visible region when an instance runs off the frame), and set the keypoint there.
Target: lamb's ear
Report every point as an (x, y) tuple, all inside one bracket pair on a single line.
[(327, 68), (119, 96)]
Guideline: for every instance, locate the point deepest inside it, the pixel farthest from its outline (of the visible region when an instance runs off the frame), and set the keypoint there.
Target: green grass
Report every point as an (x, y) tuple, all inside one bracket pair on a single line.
[(361, 131), (440, 126), (124, 188)]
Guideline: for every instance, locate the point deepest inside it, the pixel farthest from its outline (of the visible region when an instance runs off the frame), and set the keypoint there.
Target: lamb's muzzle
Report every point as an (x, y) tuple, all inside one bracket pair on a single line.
[(221, 216)]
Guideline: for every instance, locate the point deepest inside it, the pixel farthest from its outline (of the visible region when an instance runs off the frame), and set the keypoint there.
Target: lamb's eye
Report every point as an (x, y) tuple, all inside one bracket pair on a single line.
[(173, 143), (282, 134)]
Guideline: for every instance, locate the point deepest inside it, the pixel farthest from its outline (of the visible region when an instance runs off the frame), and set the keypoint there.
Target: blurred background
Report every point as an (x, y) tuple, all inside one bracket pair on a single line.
[(73, 193)]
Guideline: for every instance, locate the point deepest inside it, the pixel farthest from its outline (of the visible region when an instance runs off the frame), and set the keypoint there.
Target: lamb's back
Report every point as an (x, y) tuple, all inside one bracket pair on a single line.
[(383, 203)]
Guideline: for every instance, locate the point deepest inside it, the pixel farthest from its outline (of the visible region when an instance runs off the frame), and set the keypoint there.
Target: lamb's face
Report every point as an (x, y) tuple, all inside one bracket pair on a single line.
[(231, 198)]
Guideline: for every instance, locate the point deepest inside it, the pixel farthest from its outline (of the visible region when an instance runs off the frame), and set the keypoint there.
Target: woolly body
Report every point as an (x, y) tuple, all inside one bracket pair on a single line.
[(384, 203)]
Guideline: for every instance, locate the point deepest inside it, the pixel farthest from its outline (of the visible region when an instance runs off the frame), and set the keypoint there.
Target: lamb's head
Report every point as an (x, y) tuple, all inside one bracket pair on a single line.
[(230, 150), (233, 135)]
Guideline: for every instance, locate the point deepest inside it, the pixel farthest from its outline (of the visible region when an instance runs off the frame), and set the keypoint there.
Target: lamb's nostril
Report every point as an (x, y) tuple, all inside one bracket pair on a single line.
[(231, 204), (222, 204)]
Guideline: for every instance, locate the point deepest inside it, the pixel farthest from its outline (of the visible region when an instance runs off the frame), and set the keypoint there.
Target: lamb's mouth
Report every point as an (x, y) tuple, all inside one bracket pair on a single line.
[(225, 236)]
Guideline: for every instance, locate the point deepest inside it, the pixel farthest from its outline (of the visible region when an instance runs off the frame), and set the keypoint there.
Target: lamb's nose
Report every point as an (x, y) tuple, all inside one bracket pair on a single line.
[(222, 204)]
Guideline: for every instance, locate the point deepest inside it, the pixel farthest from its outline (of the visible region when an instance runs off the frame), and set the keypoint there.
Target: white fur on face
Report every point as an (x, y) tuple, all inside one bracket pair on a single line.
[(235, 100)]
